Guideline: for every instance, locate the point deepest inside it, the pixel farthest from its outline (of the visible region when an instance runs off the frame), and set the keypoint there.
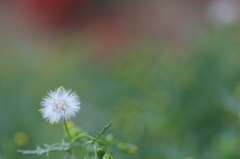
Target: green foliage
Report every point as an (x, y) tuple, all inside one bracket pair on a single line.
[(173, 102), (101, 153), (99, 146)]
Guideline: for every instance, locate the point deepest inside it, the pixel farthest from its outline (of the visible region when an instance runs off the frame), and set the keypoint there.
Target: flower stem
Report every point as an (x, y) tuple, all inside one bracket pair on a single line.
[(84, 148), (82, 135), (49, 149), (70, 140)]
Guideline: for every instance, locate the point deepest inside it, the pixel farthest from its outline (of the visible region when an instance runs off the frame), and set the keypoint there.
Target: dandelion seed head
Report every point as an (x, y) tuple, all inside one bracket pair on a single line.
[(60, 105)]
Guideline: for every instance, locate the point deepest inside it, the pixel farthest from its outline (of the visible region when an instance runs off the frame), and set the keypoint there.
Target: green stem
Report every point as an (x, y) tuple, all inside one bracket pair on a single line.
[(84, 148), (49, 149), (101, 142), (82, 135), (69, 137), (95, 151), (70, 140)]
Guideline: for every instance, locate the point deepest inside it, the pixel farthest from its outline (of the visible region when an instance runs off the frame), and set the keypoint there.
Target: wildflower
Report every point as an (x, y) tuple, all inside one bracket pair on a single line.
[(60, 105)]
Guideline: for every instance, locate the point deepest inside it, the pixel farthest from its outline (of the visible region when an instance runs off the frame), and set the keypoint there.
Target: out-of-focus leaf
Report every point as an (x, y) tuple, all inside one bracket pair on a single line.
[(40, 151)]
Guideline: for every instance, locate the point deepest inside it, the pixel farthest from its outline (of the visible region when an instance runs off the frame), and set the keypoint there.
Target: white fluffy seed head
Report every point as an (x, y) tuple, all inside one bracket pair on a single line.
[(60, 105)]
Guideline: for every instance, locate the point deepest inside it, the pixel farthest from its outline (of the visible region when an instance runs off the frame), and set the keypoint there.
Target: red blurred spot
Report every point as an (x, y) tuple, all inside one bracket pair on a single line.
[(53, 13)]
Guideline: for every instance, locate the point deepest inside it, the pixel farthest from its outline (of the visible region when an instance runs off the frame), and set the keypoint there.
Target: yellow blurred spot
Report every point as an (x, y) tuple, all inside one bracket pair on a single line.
[(132, 150), (69, 124), (20, 138), (189, 157)]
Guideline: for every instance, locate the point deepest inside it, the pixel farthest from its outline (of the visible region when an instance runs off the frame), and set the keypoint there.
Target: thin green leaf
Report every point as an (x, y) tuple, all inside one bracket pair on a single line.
[(103, 130)]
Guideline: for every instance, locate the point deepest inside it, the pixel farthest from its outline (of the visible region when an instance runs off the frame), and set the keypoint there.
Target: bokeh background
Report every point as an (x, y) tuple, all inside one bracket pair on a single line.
[(166, 72)]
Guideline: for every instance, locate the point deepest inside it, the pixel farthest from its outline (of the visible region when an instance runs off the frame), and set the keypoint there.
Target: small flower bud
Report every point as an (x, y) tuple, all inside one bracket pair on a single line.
[(100, 153), (106, 156)]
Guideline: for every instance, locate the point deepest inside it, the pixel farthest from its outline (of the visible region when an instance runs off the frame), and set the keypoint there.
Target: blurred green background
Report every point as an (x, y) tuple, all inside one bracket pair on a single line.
[(175, 98)]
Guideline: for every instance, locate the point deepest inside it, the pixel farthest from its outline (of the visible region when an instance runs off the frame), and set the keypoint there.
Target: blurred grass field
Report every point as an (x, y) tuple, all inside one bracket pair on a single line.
[(171, 101)]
